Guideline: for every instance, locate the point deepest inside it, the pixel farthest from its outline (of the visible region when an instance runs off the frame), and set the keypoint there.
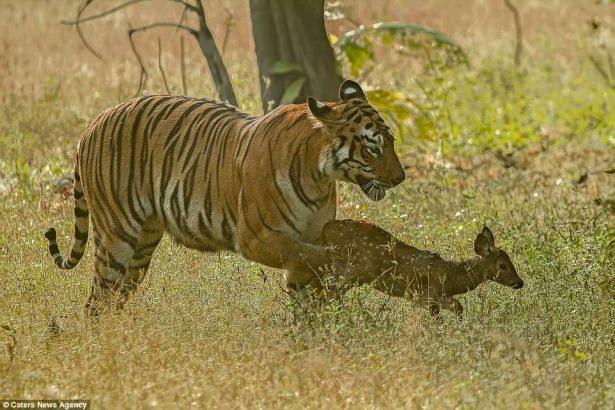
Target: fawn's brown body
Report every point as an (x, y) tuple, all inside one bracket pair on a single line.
[(364, 253)]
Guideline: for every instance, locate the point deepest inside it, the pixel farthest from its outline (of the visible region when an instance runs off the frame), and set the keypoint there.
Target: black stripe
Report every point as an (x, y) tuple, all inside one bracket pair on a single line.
[(297, 120), (81, 213), (81, 236), (227, 232), (53, 249), (295, 181), (350, 106), (116, 266), (76, 255)]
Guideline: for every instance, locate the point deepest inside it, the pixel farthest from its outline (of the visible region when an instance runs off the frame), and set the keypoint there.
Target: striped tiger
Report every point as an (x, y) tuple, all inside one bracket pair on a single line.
[(216, 178)]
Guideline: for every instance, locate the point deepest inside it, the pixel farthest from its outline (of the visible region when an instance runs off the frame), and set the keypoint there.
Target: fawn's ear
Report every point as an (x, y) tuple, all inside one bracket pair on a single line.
[(484, 243), (350, 89), (489, 235)]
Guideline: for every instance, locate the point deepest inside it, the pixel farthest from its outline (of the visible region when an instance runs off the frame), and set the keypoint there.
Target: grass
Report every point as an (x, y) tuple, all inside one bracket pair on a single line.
[(213, 330)]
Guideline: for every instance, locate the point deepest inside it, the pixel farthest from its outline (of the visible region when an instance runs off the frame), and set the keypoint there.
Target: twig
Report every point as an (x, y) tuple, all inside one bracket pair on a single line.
[(77, 22), (601, 71), (112, 10), (154, 25), (80, 33), (143, 73), (164, 77), (182, 18), (518, 32), (229, 22), (183, 65)]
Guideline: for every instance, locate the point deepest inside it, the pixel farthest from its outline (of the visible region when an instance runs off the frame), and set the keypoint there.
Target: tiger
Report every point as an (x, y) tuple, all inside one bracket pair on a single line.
[(216, 178)]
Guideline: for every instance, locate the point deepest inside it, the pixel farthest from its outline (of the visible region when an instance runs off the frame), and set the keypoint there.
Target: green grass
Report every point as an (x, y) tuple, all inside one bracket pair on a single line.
[(212, 330)]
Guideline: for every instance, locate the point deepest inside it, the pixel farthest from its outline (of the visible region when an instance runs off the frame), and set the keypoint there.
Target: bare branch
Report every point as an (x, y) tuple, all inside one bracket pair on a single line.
[(131, 31), (183, 65), (519, 37), (229, 23), (182, 17), (164, 77), (79, 20), (154, 25), (80, 33), (143, 73), (217, 69), (601, 70)]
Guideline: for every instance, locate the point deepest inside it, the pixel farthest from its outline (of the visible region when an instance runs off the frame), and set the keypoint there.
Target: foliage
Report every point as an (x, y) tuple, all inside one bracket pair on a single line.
[(294, 88), (357, 46)]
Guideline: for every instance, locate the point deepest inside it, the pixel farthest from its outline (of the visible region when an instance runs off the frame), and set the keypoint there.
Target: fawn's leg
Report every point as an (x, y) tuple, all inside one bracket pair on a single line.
[(430, 303), (452, 304)]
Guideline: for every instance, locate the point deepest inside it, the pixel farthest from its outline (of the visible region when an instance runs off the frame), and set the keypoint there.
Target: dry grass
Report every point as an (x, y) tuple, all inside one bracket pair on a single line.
[(210, 331)]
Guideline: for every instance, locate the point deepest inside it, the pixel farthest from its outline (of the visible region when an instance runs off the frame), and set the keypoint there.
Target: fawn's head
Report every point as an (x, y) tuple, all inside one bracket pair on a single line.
[(497, 264)]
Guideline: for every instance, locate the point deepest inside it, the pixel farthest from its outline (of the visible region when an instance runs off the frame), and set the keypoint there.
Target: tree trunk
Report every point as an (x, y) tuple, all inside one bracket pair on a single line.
[(293, 32)]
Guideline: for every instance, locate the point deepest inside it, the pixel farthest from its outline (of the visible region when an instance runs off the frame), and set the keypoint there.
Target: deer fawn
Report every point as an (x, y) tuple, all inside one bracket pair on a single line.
[(364, 253)]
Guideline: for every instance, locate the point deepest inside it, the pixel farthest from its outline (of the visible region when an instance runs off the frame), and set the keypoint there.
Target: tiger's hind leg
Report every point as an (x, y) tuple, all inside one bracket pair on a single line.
[(112, 256), (149, 238)]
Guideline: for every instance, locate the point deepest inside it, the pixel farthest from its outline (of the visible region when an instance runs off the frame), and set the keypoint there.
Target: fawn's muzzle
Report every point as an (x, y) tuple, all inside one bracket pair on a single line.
[(517, 285)]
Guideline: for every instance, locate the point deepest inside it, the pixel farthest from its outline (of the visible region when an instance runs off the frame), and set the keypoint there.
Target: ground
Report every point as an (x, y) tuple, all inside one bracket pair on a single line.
[(528, 151)]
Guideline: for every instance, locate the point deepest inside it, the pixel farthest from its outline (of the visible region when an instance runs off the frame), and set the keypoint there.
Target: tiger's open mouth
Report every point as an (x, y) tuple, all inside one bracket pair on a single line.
[(374, 189)]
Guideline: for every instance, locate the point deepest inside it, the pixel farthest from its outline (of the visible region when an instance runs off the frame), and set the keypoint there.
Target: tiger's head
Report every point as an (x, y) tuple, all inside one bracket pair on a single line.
[(361, 149)]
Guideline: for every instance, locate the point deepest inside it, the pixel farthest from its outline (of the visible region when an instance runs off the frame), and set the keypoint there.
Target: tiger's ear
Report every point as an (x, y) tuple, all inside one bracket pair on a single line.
[(321, 111), (349, 90)]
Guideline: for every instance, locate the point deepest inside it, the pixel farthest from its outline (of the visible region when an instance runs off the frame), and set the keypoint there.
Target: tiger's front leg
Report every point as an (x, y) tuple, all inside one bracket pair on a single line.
[(304, 262)]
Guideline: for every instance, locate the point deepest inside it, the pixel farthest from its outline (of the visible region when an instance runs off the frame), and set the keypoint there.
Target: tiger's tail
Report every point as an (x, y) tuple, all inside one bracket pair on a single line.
[(80, 238)]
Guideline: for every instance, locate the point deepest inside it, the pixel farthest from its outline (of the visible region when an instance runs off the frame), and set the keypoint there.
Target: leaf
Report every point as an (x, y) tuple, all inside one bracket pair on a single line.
[(357, 56), (333, 39), (283, 67), (391, 102), (355, 44), (8, 329), (292, 91)]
